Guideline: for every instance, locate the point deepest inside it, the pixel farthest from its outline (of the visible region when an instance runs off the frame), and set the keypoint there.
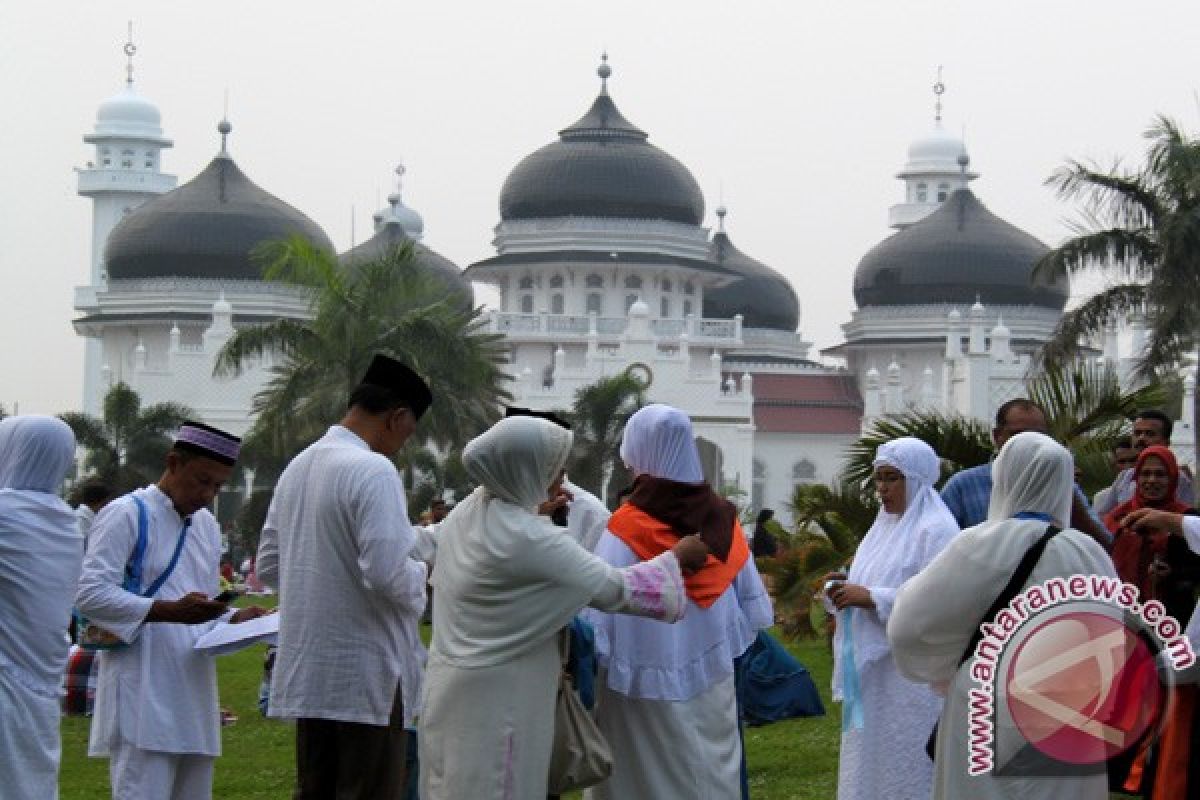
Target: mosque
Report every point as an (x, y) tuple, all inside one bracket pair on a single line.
[(606, 262)]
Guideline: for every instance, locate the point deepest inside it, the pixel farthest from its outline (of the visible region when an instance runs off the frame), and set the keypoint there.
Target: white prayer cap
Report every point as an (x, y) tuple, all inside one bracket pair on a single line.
[(35, 452), (658, 441), (1032, 473), (914, 458), (518, 458)]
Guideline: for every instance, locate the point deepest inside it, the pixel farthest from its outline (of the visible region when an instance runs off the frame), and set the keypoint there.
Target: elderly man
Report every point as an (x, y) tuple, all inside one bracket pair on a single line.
[(968, 493), (336, 543), (149, 578)]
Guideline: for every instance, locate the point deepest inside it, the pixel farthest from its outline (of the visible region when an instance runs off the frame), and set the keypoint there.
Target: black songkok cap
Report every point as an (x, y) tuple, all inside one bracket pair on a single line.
[(549, 416), (399, 378), (205, 440)]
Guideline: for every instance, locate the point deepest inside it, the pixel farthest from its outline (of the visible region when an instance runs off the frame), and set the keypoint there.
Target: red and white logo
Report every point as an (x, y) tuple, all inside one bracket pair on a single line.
[(1082, 687)]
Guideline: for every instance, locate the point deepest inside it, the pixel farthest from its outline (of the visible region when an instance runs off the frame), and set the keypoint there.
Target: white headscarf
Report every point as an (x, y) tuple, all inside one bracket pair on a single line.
[(897, 546), (35, 452), (41, 550), (518, 458), (658, 441), (507, 580), (1032, 473)]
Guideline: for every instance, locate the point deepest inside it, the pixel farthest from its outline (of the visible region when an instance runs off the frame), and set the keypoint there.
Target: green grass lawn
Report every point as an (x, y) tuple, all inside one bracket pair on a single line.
[(791, 760)]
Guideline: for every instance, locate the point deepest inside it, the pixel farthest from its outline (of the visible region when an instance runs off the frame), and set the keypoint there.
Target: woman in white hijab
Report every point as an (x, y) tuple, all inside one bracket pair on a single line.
[(41, 552), (666, 699), (936, 613), (507, 581), (885, 718)]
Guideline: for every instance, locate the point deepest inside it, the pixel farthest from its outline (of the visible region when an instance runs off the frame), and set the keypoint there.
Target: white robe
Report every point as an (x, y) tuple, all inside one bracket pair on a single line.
[(336, 544), (40, 556), (503, 594), (158, 693), (886, 725), (934, 617), (666, 700)]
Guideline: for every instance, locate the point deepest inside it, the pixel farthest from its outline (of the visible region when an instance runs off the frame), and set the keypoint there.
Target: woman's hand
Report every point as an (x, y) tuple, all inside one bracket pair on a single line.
[(692, 552), (1147, 518), (851, 594)]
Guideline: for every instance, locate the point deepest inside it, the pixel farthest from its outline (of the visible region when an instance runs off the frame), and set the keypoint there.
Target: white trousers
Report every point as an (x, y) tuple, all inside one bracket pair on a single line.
[(151, 775)]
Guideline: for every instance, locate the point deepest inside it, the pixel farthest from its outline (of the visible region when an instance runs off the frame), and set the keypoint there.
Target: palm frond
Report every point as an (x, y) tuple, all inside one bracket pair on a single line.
[(959, 441)]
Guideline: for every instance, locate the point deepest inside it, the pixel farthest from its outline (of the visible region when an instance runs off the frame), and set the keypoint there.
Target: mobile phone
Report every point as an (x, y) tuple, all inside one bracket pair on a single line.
[(227, 596)]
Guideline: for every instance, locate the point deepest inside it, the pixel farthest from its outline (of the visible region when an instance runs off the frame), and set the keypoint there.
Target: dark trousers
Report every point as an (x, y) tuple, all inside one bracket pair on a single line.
[(351, 761)]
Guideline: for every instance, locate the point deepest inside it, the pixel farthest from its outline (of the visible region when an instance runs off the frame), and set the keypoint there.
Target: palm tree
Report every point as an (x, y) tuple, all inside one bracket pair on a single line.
[(1142, 228), (598, 419), (126, 445), (830, 521), (379, 306), (1086, 410)]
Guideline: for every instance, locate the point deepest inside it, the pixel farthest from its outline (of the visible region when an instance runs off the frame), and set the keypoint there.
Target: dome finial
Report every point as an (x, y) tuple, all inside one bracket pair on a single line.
[(224, 128), (939, 89), (604, 71), (721, 212), (130, 50), (400, 171)]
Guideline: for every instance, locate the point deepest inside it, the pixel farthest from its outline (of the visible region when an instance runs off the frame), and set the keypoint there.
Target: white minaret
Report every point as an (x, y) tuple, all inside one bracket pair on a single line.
[(123, 173), (933, 169)]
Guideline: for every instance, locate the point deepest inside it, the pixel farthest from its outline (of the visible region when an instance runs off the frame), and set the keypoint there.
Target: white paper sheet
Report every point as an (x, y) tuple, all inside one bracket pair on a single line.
[(228, 638)]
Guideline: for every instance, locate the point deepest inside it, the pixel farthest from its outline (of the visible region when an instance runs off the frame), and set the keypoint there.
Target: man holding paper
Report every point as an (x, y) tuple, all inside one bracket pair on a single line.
[(149, 576)]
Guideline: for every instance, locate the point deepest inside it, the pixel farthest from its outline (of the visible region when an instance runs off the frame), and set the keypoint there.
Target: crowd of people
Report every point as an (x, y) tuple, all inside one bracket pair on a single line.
[(529, 572)]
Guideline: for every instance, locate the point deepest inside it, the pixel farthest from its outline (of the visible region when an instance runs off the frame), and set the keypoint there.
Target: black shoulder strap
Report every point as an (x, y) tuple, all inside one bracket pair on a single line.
[(1017, 582)]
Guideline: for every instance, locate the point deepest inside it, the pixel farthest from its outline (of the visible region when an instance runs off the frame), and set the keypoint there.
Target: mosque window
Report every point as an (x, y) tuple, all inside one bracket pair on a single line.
[(664, 308), (689, 288), (759, 485), (943, 192), (804, 471), (687, 307), (556, 303), (108, 162), (526, 282), (630, 299), (556, 281), (666, 284), (594, 281), (922, 193), (633, 281), (526, 304), (127, 163), (149, 164), (595, 303)]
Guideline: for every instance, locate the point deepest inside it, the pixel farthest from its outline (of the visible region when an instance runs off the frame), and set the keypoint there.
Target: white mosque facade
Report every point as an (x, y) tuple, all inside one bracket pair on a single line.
[(605, 263)]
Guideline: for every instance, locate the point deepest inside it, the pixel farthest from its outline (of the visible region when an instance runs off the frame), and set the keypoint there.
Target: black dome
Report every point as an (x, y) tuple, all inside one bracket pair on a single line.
[(959, 253), (762, 296), (205, 229), (602, 166), (391, 237)]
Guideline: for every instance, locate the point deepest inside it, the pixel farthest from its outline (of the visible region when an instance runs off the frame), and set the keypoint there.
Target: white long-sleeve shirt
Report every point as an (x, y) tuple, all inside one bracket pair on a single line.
[(159, 693), (336, 544)]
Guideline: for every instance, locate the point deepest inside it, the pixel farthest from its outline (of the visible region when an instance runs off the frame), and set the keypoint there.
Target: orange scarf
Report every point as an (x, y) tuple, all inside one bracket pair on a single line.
[(647, 537)]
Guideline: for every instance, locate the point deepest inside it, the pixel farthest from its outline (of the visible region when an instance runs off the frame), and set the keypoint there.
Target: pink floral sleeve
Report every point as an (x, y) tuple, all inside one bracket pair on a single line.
[(654, 589)]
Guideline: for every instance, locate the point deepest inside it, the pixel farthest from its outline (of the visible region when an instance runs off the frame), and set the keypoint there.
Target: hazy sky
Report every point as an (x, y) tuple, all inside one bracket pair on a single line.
[(802, 111)]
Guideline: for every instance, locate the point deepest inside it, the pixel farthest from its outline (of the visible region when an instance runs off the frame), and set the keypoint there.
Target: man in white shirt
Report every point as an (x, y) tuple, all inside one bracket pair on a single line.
[(1150, 427), (156, 714), (94, 494), (336, 544)]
